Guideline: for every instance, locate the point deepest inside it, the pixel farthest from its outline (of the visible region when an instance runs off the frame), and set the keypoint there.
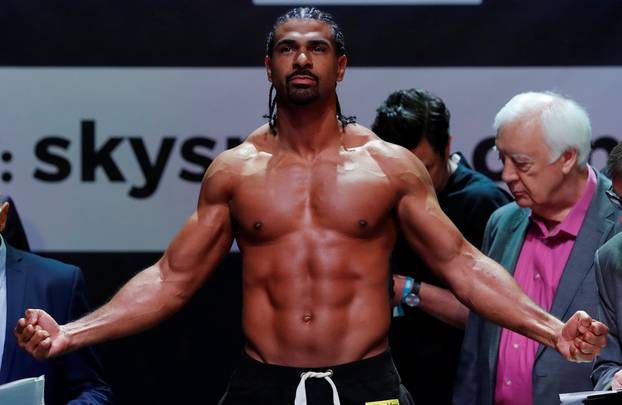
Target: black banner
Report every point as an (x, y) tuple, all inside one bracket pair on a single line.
[(232, 33)]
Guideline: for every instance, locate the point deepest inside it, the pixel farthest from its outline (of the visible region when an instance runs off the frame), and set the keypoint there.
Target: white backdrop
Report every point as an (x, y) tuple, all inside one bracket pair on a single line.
[(216, 103)]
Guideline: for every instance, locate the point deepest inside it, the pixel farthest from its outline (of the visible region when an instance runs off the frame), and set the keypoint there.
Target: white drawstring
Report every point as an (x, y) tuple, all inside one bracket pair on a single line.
[(301, 392)]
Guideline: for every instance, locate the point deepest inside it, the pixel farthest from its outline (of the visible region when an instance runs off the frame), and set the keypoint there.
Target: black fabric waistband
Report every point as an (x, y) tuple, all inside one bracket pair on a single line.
[(372, 367)]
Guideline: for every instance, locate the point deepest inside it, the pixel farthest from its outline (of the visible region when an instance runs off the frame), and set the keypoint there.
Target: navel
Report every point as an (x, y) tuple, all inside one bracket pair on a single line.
[(306, 318)]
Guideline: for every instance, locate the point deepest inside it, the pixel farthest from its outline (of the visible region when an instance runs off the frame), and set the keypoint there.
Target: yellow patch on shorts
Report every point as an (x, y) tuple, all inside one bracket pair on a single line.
[(385, 402)]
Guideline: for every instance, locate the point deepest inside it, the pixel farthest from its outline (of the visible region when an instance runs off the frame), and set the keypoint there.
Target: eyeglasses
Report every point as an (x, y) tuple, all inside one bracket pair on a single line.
[(614, 199)]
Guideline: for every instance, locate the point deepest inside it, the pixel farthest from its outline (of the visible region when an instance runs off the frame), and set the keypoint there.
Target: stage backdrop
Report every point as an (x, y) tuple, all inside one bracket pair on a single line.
[(110, 112), (114, 157)]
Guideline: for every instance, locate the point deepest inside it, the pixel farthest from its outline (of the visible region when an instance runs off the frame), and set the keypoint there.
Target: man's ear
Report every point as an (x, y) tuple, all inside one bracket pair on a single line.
[(266, 62), (4, 214), (569, 160), (342, 61)]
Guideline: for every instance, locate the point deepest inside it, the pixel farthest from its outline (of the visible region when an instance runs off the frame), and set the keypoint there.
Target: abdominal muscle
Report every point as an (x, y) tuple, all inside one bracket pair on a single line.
[(313, 310)]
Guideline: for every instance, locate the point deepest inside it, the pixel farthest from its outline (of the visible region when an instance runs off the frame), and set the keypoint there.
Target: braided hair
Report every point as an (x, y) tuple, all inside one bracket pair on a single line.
[(301, 13)]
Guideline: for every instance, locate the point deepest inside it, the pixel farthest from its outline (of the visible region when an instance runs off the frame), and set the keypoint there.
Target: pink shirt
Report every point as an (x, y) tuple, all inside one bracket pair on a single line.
[(538, 270)]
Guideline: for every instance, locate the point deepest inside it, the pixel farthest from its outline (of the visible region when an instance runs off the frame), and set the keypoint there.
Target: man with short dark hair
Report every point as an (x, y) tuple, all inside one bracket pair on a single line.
[(313, 201), (419, 121)]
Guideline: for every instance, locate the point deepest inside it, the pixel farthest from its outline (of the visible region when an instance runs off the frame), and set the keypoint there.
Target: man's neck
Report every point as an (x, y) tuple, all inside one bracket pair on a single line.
[(566, 197), (307, 130), (449, 169)]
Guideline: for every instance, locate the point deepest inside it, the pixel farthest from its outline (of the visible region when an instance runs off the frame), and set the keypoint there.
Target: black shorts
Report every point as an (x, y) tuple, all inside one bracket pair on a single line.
[(370, 381)]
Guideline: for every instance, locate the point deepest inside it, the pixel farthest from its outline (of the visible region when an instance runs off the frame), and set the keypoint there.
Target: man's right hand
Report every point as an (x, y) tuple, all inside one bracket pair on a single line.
[(40, 335), (581, 338)]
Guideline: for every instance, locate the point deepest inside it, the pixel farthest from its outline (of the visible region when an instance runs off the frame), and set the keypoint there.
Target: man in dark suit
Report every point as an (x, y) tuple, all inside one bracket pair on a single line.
[(607, 372), (547, 240), (28, 280)]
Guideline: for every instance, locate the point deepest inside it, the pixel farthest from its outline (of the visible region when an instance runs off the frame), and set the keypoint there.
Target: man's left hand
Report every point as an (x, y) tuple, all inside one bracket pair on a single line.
[(581, 338)]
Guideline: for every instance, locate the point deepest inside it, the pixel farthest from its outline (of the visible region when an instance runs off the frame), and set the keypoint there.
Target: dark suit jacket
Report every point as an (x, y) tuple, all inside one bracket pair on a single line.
[(37, 282), (608, 271), (552, 374)]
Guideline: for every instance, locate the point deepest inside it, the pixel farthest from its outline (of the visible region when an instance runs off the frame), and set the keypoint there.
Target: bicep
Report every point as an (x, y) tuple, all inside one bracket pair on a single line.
[(204, 239), (200, 244), (426, 227)]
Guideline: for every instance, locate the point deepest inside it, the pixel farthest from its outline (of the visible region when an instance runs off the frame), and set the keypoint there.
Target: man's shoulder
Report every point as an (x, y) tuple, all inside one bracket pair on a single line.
[(359, 136), (40, 264), (254, 142), (507, 213), (231, 162), (393, 159), (612, 250)]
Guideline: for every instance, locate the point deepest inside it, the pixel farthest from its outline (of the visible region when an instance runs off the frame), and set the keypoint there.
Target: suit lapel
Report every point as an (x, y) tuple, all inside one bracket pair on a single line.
[(506, 248), (512, 241), (599, 220), (16, 286)]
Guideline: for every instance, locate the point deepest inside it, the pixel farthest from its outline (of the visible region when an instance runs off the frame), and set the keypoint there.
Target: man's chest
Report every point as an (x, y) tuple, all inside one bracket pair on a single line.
[(348, 197)]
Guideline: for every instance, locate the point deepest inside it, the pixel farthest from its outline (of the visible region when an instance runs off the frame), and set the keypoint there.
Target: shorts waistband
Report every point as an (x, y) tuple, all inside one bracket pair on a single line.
[(371, 366)]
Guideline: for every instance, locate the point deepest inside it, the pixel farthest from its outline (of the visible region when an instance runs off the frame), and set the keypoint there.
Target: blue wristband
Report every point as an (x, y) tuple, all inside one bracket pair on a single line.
[(408, 287), (398, 310)]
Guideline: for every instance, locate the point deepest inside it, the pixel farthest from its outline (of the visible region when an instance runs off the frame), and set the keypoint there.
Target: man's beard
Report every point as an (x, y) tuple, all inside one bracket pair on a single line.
[(300, 94)]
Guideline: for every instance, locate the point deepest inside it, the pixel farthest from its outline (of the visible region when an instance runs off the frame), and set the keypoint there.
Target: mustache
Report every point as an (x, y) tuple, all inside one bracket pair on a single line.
[(303, 72)]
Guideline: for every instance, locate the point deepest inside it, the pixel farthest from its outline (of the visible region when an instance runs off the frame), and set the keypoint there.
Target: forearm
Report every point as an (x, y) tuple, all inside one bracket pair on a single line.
[(488, 289), (483, 285), (443, 305), (436, 301), (142, 302)]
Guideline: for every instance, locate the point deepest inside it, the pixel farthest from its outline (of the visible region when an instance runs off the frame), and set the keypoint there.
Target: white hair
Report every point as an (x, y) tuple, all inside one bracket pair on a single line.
[(564, 123)]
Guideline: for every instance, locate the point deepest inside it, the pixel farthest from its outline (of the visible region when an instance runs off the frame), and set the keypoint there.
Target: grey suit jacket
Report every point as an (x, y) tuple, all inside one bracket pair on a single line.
[(608, 272), (552, 374)]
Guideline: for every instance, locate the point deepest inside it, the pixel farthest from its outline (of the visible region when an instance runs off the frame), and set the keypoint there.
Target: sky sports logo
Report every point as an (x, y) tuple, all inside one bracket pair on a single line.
[(53, 151), (367, 2)]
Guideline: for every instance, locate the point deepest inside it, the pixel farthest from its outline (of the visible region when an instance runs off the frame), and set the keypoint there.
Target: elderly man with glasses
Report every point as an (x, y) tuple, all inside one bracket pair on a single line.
[(546, 239), (608, 270)]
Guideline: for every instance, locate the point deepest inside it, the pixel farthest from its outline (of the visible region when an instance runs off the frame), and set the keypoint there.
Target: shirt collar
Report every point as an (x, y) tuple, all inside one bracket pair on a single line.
[(571, 225)]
